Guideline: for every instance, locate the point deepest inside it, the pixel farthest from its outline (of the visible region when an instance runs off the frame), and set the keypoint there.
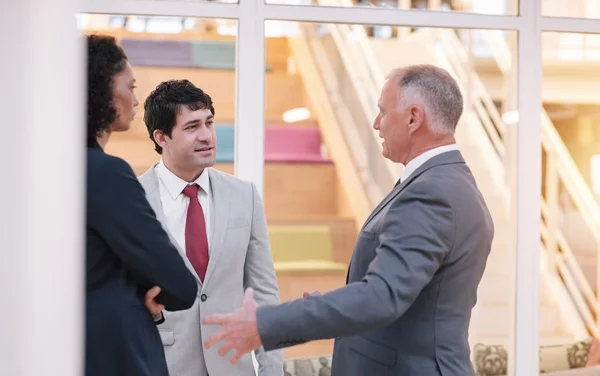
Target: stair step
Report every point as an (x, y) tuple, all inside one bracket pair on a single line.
[(343, 233)]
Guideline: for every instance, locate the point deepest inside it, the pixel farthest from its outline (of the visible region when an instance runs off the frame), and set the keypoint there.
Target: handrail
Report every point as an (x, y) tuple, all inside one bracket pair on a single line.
[(573, 277), (565, 264), (552, 142), (566, 174), (347, 123), (366, 84), (324, 108), (483, 105), (360, 100), (499, 49), (570, 176)]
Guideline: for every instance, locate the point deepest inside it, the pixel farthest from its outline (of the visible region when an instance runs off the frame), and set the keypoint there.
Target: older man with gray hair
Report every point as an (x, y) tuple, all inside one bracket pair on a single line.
[(413, 277)]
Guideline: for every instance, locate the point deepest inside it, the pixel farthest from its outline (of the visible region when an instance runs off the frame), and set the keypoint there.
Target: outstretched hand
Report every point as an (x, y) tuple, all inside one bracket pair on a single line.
[(239, 329)]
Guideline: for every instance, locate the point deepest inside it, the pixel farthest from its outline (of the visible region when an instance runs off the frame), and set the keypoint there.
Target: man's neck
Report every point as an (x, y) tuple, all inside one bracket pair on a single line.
[(188, 176), (420, 149)]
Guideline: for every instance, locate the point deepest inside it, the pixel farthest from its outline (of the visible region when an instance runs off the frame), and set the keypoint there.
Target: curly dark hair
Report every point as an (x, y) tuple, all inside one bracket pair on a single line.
[(162, 105), (105, 60)]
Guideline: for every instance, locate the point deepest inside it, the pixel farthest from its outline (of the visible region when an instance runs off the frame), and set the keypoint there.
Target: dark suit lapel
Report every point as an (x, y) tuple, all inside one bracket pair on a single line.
[(441, 159)]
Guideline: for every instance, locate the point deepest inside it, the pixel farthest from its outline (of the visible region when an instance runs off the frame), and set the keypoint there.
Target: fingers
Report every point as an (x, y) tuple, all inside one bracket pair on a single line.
[(150, 303), (236, 357), (217, 319), (249, 294), (212, 340), (151, 294), (225, 348)]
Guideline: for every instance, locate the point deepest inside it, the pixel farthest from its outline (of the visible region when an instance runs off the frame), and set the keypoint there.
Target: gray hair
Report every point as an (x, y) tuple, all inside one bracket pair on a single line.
[(438, 91)]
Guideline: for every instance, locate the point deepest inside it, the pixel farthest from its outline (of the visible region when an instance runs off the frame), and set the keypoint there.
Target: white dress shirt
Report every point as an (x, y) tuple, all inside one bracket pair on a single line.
[(175, 203), (413, 165)]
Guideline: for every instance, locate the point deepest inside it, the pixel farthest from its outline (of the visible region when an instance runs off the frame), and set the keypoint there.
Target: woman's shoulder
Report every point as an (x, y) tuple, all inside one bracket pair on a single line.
[(104, 165)]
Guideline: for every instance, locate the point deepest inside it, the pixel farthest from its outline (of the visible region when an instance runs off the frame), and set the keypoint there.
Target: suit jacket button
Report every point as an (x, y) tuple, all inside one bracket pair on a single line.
[(203, 297)]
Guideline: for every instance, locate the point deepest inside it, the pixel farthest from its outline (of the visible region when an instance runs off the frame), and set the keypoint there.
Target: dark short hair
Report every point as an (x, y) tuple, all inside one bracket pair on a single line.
[(163, 104), (105, 60)]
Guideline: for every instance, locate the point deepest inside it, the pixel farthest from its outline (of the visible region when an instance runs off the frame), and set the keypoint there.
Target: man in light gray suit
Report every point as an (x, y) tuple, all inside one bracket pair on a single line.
[(413, 277), (218, 224)]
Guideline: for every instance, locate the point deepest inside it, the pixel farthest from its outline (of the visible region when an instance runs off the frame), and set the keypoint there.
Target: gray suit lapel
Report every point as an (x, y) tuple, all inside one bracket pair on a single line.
[(450, 157), (441, 159), (149, 182), (221, 203)]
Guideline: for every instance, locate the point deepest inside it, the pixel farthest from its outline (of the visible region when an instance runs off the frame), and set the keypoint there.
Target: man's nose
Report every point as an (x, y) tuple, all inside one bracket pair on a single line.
[(204, 134)]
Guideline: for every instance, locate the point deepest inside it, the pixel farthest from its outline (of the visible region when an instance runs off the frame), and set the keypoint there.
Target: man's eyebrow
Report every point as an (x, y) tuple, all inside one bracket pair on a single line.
[(189, 122)]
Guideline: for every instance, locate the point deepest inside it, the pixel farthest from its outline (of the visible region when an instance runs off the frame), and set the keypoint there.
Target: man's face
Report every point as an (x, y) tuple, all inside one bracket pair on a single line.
[(193, 143), (392, 122)]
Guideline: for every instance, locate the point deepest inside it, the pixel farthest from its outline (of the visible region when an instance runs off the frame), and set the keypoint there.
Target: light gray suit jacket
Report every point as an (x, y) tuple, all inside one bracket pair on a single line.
[(412, 282), (240, 257)]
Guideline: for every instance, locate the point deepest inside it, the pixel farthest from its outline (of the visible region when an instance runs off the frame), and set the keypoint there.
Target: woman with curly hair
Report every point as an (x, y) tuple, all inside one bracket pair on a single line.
[(128, 252)]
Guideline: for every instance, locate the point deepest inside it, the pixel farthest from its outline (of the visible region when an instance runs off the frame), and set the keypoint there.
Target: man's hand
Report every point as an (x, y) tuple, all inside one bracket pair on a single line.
[(239, 329), (152, 306), (314, 293)]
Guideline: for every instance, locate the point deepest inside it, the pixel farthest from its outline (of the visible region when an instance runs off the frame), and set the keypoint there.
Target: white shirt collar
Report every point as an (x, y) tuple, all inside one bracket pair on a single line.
[(417, 162), (175, 184)]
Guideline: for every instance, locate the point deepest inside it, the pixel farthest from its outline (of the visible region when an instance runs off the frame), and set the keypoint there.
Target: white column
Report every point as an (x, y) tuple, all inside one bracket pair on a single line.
[(250, 98), (525, 354), (42, 189)]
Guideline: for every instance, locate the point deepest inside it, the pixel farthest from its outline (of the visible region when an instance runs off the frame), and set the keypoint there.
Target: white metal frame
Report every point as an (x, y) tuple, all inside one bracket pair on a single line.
[(524, 359), (251, 15)]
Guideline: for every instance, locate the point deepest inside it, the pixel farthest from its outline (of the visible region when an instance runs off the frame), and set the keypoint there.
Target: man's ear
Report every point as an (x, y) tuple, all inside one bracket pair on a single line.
[(159, 138), (417, 117)]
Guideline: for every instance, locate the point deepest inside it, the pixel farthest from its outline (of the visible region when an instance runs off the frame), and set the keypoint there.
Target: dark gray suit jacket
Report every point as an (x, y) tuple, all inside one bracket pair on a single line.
[(412, 282)]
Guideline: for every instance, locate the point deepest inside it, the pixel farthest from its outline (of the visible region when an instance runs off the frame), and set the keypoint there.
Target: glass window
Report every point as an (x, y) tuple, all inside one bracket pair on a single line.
[(164, 48)]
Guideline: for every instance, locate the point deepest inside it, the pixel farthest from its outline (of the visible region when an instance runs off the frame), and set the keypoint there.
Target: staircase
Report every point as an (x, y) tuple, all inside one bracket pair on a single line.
[(351, 68)]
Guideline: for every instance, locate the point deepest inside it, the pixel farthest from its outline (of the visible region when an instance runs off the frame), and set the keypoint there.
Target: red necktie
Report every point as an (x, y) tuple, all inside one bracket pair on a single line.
[(196, 242)]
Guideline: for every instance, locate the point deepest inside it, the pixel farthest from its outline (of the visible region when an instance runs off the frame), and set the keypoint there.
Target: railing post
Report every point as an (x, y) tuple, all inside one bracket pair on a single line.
[(510, 106), (470, 68), (552, 198), (597, 294), (434, 4), (403, 31)]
